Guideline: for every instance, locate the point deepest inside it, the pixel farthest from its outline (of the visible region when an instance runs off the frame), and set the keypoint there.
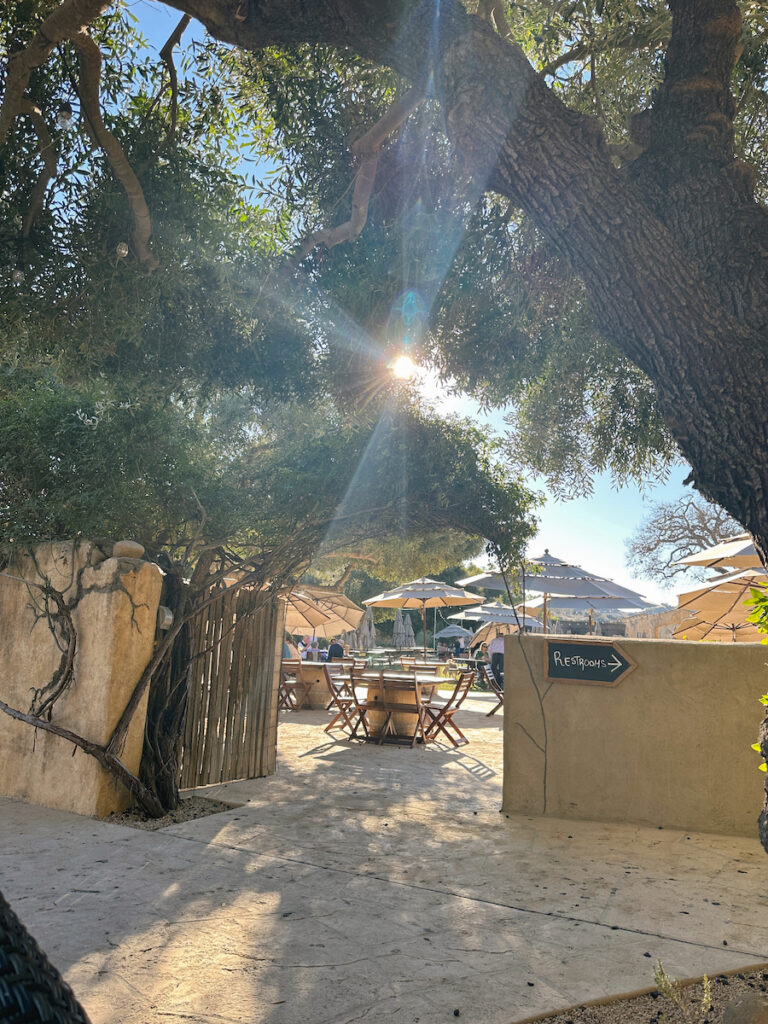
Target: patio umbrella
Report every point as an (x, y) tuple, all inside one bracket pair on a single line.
[(492, 612), (410, 638), (422, 594), (738, 552), (343, 614), (451, 632), (718, 609), (367, 631), (302, 614), (398, 630), (491, 629), (562, 580)]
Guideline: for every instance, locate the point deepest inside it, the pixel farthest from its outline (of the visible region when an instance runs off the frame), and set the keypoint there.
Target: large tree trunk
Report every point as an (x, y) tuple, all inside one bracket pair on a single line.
[(167, 704)]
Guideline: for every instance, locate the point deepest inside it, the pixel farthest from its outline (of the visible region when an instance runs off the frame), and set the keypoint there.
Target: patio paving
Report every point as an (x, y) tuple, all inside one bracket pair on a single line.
[(374, 883)]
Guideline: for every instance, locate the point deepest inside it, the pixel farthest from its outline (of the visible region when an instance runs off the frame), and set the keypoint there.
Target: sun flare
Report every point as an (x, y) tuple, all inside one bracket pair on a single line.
[(403, 368)]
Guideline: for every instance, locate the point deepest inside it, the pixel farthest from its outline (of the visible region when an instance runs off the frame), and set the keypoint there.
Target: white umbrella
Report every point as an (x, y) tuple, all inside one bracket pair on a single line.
[(563, 580), (738, 552), (366, 632), (422, 594), (410, 638), (453, 631), (492, 612), (398, 631)]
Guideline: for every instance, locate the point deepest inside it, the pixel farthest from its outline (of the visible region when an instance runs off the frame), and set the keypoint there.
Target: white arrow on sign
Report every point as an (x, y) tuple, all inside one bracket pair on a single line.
[(614, 664)]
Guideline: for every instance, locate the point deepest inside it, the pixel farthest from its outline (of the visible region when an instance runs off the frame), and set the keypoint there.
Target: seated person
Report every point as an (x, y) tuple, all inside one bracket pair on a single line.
[(289, 648), (335, 650)]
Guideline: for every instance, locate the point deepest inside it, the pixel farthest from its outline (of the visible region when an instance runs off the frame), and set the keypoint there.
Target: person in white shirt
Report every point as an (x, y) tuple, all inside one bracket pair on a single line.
[(496, 651)]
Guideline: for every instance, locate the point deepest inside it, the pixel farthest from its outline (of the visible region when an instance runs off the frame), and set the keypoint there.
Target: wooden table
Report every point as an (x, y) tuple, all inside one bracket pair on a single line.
[(318, 696), (396, 688)]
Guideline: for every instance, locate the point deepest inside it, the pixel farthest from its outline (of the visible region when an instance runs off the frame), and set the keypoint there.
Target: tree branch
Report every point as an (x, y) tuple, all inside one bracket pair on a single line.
[(48, 154), (89, 88), (367, 148), (68, 19), (107, 760), (166, 55)]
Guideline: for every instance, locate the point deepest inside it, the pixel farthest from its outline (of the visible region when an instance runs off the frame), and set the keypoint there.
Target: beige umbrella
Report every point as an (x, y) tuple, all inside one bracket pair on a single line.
[(422, 594), (343, 613), (738, 552), (718, 611), (302, 614), (489, 630)]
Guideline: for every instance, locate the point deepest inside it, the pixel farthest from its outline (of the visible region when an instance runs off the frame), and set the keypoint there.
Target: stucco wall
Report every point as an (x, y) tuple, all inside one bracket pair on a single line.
[(669, 746), (114, 618)]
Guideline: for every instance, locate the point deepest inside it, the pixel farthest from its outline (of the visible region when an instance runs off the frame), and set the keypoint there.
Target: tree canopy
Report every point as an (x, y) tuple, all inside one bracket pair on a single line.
[(565, 207)]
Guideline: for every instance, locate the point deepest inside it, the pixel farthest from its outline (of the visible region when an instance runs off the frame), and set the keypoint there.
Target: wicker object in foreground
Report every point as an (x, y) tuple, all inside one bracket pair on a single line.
[(31, 989)]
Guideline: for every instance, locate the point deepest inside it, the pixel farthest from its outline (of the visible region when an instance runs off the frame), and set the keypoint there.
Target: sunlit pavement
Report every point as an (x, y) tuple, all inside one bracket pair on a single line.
[(374, 883)]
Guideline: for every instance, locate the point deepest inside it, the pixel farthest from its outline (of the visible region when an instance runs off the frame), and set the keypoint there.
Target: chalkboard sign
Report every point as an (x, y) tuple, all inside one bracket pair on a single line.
[(586, 661)]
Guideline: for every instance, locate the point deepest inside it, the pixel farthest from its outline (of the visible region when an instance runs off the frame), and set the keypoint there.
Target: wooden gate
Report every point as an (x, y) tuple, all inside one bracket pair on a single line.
[(231, 725)]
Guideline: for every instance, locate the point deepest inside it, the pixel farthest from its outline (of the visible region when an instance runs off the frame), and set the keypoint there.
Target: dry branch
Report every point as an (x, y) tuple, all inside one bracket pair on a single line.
[(166, 55), (89, 88), (107, 760), (367, 148), (64, 674)]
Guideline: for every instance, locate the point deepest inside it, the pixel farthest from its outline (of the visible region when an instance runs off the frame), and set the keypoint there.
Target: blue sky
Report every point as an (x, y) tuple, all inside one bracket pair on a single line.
[(590, 532)]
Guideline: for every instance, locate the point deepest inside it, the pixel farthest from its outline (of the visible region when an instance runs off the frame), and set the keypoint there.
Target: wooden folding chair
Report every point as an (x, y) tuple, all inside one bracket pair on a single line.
[(348, 711), (490, 678), (407, 663), (390, 706), (440, 715), (293, 691)]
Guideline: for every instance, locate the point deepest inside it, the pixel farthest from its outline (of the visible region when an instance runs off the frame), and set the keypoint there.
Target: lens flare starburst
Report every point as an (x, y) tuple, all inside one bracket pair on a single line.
[(404, 368)]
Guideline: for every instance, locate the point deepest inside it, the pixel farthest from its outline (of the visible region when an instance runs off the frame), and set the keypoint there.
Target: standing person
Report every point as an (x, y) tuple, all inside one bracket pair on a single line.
[(496, 651), (289, 648), (335, 650)]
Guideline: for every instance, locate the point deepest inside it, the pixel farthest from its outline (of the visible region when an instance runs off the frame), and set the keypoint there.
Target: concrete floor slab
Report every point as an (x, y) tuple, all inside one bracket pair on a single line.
[(374, 883)]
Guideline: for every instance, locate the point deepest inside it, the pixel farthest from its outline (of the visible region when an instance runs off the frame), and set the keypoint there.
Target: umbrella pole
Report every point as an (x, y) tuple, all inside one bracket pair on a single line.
[(591, 621), (424, 626), (544, 613)]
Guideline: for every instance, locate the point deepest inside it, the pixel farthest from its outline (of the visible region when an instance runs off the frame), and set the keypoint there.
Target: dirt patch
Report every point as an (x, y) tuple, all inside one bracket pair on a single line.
[(190, 808), (655, 1008)]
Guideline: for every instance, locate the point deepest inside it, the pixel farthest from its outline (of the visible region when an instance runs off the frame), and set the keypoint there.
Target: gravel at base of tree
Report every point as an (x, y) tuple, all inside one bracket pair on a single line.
[(189, 809), (658, 1009)]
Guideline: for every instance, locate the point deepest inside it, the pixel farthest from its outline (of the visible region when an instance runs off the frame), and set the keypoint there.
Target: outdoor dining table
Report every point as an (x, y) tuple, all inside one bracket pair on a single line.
[(396, 688), (313, 673)]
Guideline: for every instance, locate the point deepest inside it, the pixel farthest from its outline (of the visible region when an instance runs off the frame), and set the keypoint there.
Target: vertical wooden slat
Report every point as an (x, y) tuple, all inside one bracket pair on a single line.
[(233, 708), (244, 690), (211, 660), (267, 627), (196, 721), (231, 725), (223, 683), (253, 738)]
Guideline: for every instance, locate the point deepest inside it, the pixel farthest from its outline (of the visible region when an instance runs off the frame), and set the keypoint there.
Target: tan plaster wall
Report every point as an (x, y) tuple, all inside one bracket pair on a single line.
[(115, 623), (669, 746)]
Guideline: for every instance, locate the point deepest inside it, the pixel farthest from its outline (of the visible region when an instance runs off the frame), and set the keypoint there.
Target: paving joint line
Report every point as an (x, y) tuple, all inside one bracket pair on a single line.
[(470, 899)]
